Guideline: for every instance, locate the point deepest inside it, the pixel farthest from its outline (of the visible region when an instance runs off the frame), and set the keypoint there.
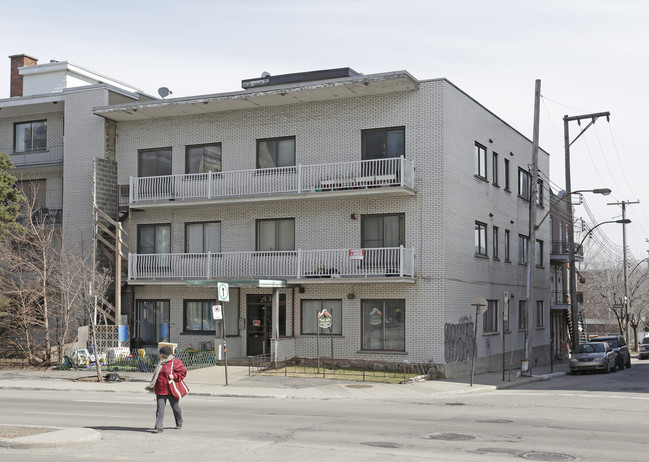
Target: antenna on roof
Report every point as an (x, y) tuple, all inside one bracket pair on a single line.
[(265, 74), (163, 92)]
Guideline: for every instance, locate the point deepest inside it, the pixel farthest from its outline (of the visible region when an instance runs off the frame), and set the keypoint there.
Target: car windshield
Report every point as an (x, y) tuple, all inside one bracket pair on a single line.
[(590, 348), (611, 341)]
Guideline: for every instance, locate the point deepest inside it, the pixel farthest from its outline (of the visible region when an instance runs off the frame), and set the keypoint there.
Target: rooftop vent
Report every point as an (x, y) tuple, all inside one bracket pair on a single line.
[(267, 80)]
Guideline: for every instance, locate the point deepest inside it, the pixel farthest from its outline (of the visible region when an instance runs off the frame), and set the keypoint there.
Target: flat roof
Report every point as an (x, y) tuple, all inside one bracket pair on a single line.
[(278, 95)]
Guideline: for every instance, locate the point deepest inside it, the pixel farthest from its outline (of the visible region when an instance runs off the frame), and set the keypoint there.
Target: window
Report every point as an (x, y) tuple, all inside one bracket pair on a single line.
[(274, 235), (494, 168), (380, 231), (480, 238), (276, 152), (152, 321), (154, 239), (383, 325), (30, 136), (203, 158), (539, 253), (481, 161), (539, 197), (490, 317), (494, 243), (506, 175), (507, 245), (203, 237), (198, 316), (310, 310), (522, 314), (524, 184), (522, 249), (34, 192), (539, 314), (154, 162), (384, 143)]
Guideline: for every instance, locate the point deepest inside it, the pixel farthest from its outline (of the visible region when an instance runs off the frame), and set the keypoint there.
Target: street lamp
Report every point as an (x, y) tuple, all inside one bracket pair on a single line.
[(562, 195), (626, 221)]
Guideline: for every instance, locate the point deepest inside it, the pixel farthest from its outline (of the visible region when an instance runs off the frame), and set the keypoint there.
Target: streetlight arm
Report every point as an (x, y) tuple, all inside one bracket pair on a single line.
[(603, 191), (624, 222)]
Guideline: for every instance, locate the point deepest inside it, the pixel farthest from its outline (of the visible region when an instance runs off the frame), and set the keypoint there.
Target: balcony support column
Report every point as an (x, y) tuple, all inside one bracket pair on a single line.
[(274, 341)]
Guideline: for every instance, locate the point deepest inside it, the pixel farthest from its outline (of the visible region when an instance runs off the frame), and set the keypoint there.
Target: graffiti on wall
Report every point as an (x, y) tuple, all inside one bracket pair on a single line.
[(458, 340)]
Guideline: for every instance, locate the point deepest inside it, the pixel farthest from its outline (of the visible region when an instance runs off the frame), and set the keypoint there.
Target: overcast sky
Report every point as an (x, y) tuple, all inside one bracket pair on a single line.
[(590, 55)]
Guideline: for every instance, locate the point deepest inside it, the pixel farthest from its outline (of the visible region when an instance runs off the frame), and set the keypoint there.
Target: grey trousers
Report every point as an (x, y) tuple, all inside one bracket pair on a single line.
[(161, 401)]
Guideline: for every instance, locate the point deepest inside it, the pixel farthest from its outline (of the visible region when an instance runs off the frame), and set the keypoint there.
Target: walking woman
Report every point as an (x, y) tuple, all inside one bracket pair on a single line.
[(160, 386)]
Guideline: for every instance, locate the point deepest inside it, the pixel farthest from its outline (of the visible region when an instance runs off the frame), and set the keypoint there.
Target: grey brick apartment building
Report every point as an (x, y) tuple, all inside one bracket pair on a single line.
[(389, 201)]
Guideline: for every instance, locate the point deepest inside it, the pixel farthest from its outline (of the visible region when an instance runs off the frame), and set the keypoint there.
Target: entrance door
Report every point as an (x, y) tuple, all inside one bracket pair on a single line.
[(259, 309), (259, 313)]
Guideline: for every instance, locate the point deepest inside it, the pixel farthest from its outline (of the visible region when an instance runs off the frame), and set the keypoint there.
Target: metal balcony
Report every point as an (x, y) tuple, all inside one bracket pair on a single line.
[(50, 155), (331, 265), (383, 176), (560, 249)]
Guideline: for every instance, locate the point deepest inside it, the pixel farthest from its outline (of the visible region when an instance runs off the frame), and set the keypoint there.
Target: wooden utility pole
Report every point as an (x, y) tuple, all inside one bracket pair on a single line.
[(624, 260), (526, 365)]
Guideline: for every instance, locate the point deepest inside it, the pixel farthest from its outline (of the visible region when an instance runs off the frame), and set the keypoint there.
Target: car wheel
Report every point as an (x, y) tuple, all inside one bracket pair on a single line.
[(628, 365), (620, 363)]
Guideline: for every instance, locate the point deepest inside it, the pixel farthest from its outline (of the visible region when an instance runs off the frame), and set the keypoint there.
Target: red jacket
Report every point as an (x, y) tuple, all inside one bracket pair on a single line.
[(162, 384)]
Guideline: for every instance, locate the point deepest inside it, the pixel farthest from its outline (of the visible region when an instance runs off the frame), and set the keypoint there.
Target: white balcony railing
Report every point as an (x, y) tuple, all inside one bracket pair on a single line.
[(298, 264), (344, 176), (47, 155)]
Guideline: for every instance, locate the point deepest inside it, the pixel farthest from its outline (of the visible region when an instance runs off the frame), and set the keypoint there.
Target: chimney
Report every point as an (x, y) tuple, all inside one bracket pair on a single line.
[(16, 86)]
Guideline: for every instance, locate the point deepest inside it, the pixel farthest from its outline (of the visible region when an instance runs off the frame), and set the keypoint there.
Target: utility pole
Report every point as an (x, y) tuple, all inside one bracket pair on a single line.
[(526, 364), (574, 309), (626, 277)]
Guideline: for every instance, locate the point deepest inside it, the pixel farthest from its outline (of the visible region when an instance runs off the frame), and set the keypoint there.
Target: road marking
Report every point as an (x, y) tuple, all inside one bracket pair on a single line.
[(113, 402), (573, 395), (78, 415)]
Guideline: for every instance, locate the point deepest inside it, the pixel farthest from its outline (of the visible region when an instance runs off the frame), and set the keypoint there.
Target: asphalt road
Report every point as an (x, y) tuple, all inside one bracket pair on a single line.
[(594, 417)]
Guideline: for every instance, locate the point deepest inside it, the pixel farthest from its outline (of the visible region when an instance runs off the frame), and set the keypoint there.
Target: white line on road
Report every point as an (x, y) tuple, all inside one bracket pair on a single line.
[(78, 415), (148, 402), (572, 395)]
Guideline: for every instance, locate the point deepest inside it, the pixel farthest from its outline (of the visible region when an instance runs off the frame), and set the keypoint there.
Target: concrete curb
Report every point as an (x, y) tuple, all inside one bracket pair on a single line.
[(60, 437), (534, 378)]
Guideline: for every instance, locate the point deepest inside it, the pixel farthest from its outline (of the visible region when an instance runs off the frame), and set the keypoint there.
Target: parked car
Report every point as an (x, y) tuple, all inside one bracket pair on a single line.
[(643, 351), (619, 345), (593, 356)]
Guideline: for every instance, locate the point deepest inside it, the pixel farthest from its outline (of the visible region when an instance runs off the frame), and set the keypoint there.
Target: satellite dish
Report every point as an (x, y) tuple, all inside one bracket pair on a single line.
[(265, 74), (164, 91)]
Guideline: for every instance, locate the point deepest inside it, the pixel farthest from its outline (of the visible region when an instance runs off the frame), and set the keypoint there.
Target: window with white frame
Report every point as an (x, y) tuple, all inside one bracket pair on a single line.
[(480, 238), (524, 184), (383, 143), (154, 162), (539, 253), (490, 317), (312, 308), (540, 196), (494, 168), (481, 161), (506, 175), (507, 244), (494, 243), (522, 249), (540, 315)]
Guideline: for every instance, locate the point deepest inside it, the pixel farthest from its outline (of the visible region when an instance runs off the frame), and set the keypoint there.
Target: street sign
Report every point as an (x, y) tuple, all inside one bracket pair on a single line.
[(506, 306), (217, 312), (324, 319), (478, 305), (224, 291), (356, 254)]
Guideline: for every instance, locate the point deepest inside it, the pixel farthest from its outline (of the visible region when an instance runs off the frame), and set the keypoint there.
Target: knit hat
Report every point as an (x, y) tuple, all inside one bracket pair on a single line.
[(165, 351)]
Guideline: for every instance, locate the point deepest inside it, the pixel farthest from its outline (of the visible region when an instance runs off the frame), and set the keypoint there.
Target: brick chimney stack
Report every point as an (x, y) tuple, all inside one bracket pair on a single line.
[(16, 86)]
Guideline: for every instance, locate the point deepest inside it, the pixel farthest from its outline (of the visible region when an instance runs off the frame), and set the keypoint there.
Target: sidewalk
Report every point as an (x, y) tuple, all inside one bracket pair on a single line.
[(211, 382)]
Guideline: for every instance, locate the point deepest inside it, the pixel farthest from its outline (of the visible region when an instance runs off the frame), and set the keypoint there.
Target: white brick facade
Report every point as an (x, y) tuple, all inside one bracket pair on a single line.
[(442, 125)]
